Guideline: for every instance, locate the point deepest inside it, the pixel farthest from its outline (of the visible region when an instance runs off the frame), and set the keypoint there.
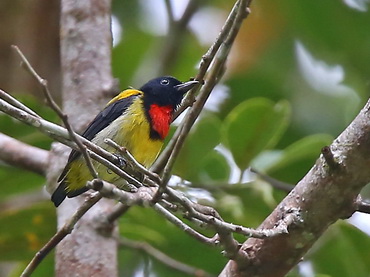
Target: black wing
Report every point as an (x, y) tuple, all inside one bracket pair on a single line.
[(102, 120), (106, 116)]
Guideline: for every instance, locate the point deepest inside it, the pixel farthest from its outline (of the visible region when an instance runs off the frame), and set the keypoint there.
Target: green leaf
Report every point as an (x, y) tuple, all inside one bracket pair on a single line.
[(243, 203), (201, 142), (294, 161), (214, 168), (253, 126), (342, 251)]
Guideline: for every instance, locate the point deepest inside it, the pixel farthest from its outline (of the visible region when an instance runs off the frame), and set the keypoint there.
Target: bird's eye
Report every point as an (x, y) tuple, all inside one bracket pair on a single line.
[(165, 82)]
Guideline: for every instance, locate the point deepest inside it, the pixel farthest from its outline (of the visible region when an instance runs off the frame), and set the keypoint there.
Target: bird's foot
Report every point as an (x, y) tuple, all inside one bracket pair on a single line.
[(121, 162)]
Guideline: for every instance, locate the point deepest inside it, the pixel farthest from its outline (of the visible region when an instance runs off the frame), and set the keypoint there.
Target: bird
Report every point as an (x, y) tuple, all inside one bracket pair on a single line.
[(137, 119)]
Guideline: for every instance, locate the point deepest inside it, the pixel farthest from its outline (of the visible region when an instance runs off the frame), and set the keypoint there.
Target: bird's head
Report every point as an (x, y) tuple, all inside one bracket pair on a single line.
[(161, 97), (166, 91)]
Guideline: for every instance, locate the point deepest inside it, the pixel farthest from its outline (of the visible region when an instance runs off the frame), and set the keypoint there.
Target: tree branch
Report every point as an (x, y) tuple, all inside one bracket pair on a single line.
[(322, 197), (19, 154), (220, 50), (189, 99), (206, 216), (273, 182)]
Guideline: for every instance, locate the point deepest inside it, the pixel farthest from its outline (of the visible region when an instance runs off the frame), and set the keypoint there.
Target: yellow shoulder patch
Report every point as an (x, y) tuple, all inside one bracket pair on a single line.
[(124, 94)]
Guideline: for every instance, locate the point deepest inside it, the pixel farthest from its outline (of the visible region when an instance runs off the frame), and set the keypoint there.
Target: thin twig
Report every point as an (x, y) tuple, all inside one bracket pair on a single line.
[(44, 85), (162, 257), (231, 26), (142, 196), (104, 161), (171, 19), (190, 96), (214, 74), (10, 99), (129, 158), (273, 182), (61, 234), (184, 227), (214, 221), (208, 215), (208, 58)]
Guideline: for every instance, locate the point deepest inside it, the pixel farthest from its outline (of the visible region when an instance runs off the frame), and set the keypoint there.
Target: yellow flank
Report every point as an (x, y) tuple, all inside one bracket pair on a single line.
[(124, 94), (131, 131)]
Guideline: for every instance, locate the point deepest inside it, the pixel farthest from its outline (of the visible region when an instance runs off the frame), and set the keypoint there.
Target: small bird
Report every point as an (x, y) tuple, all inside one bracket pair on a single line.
[(136, 119)]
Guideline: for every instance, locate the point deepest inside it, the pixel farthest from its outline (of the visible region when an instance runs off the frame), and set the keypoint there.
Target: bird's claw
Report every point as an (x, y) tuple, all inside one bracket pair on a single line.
[(120, 161)]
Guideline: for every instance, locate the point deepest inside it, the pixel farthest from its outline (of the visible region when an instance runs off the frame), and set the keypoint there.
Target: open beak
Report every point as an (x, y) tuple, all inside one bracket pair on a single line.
[(186, 86)]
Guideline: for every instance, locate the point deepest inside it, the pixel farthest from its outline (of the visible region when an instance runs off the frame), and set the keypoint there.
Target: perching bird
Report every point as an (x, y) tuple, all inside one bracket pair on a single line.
[(136, 119)]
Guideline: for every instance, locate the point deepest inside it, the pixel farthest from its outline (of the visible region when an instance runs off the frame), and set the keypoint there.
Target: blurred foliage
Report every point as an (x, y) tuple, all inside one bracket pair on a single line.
[(297, 76), (30, 230), (189, 161), (253, 126), (347, 248)]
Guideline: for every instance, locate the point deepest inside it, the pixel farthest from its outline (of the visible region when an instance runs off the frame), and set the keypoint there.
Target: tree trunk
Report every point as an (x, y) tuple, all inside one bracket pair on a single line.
[(86, 82)]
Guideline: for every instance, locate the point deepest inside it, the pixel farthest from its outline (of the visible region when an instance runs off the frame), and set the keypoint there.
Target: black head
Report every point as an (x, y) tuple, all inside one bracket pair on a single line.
[(165, 91)]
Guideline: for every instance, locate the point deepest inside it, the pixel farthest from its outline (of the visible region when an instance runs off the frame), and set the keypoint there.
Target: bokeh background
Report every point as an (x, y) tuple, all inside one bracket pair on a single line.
[(298, 73)]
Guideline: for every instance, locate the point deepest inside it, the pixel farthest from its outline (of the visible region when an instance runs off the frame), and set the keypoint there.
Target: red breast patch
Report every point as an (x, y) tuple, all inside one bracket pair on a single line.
[(161, 119)]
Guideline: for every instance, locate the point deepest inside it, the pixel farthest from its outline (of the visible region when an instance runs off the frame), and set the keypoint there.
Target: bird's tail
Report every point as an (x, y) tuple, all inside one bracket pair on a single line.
[(59, 194), (62, 192)]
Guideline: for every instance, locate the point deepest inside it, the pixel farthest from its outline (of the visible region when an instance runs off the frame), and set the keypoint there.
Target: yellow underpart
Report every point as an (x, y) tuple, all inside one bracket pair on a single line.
[(124, 94), (130, 130)]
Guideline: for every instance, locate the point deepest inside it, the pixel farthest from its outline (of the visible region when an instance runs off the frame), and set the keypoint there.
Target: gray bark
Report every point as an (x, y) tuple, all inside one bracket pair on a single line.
[(86, 84)]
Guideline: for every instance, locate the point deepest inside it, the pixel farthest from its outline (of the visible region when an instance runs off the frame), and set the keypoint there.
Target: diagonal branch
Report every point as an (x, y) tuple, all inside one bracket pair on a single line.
[(190, 97), (215, 72)]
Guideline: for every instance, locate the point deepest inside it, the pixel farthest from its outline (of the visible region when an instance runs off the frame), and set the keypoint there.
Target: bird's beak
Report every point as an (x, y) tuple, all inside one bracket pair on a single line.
[(186, 86)]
